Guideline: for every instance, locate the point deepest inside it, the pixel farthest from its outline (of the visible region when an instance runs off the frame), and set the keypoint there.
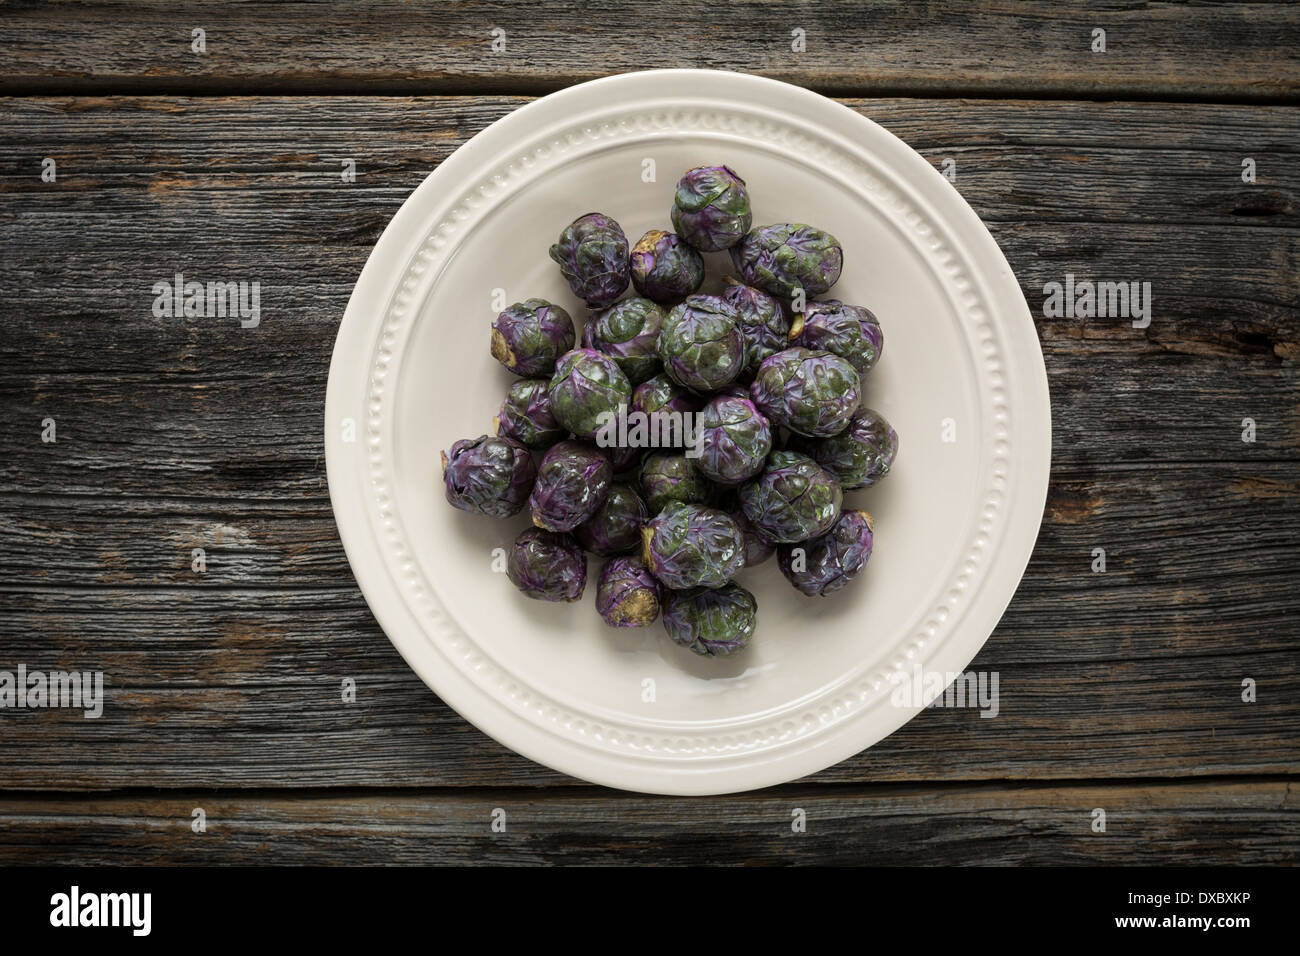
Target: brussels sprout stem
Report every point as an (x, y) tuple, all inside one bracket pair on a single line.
[(638, 608), (501, 349)]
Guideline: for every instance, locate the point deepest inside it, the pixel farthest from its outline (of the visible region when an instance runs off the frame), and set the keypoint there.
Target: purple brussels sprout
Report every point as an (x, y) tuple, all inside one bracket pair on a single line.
[(488, 476), (665, 268), (616, 526), (624, 458), (593, 255), (587, 390), (860, 455), (850, 331), (664, 406), (628, 332), (810, 393), (668, 477), (789, 256), (530, 336), (711, 208), (762, 322), (572, 483), (526, 417), (692, 546), (734, 442), (758, 548), (712, 622), (628, 594), (794, 499), (830, 561), (701, 344), (547, 566)]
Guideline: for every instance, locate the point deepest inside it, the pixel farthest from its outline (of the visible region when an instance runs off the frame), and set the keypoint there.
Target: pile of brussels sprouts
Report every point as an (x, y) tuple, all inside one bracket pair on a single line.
[(771, 379)]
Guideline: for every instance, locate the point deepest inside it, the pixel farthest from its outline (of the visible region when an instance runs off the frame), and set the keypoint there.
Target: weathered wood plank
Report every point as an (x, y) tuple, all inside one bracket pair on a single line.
[(1237, 50), (152, 407), (1214, 822), (1250, 512), (1037, 160), (223, 431), (225, 690), (233, 678)]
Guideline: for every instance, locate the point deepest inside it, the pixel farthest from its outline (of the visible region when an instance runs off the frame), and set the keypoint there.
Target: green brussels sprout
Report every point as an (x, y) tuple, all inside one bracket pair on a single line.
[(830, 561), (701, 344), (712, 622), (628, 332), (671, 476), (628, 594), (811, 393), (789, 256), (711, 208), (572, 483), (758, 548), (763, 324), (665, 268), (592, 253), (488, 476), (588, 387), (794, 499), (616, 525), (688, 546), (529, 336), (849, 331), (625, 458), (547, 566), (665, 406), (526, 417), (734, 440), (860, 455)]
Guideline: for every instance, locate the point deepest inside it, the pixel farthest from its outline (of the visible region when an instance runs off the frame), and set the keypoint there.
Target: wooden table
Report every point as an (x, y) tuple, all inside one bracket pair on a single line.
[(1120, 690)]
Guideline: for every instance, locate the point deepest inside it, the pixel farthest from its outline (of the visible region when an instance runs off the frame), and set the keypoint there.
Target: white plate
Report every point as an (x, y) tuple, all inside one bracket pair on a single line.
[(955, 521)]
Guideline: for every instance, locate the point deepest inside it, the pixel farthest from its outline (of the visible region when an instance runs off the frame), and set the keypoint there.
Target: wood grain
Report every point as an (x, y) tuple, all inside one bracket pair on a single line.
[(176, 435), (250, 188), (1224, 822), (233, 677), (1241, 51)]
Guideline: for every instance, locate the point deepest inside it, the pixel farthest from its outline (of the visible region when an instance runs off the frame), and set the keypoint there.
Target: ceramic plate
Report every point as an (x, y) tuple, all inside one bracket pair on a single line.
[(961, 379)]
